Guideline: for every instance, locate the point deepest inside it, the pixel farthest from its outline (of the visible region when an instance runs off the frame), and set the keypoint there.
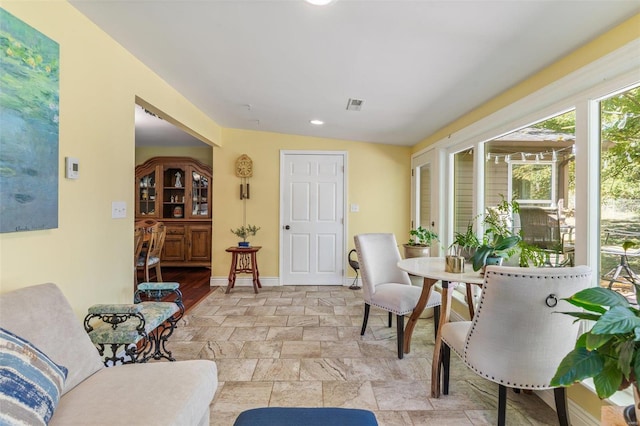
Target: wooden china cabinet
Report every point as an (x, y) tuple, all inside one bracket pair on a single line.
[(177, 191)]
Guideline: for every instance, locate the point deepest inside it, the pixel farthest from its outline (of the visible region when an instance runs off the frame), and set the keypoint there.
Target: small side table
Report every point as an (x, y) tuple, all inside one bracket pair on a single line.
[(244, 261)]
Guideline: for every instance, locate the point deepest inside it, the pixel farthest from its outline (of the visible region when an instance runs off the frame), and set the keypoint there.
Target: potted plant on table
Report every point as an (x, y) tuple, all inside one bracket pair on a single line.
[(244, 232), (609, 352), (465, 244), (494, 250), (420, 240), (499, 241)]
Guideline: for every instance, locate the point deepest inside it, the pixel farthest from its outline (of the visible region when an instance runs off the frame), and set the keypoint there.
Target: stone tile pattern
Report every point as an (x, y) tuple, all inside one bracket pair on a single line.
[(300, 346)]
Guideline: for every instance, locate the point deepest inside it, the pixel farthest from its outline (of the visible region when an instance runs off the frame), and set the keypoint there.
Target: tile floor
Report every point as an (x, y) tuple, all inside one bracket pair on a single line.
[(301, 346)]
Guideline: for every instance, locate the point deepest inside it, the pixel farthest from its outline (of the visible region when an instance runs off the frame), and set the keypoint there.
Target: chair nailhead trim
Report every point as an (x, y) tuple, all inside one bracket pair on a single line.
[(488, 277)]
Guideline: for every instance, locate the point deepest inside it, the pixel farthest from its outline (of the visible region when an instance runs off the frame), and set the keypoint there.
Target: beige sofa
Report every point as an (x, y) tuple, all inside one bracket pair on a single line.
[(156, 393)]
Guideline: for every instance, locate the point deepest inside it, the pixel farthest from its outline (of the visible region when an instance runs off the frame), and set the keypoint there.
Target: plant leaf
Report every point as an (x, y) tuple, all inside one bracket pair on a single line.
[(480, 256), (608, 381), (617, 320), (627, 244), (595, 341), (582, 340), (625, 357), (582, 315), (579, 364), (599, 296), (507, 242)]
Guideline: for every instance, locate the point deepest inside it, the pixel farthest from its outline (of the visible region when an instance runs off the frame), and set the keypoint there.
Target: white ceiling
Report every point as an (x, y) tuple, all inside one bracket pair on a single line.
[(273, 65)]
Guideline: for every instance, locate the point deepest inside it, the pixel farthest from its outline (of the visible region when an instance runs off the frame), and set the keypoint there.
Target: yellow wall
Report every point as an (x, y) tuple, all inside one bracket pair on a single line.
[(203, 154), (378, 180), (90, 255)]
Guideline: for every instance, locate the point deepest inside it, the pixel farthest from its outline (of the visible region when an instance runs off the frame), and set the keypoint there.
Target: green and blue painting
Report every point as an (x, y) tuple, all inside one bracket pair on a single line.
[(29, 99)]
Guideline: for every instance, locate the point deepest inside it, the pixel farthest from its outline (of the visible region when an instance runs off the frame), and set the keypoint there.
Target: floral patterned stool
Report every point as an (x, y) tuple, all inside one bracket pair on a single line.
[(141, 329)]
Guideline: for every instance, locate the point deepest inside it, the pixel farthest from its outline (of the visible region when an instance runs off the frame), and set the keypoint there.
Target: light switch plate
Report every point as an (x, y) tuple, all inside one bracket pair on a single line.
[(355, 208), (72, 168), (118, 209)]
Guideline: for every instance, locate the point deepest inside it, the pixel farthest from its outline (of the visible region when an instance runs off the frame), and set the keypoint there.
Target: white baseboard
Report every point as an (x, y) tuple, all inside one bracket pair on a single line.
[(577, 415), (266, 282), (244, 281)]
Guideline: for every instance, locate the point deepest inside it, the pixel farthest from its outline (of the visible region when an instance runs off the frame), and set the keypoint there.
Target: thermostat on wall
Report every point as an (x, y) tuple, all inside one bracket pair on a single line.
[(73, 168)]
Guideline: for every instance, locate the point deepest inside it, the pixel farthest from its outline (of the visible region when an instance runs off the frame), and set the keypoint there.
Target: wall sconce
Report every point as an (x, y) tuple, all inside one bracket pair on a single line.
[(244, 170)]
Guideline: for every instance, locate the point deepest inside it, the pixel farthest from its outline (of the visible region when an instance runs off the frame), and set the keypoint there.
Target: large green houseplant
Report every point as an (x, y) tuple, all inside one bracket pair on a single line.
[(609, 352)]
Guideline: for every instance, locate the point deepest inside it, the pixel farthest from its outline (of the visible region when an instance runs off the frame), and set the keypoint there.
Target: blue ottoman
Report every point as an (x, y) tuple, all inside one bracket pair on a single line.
[(277, 416)]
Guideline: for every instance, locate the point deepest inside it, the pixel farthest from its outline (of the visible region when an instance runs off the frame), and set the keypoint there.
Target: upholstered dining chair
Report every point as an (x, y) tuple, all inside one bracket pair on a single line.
[(517, 338), (151, 257), (386, 286)]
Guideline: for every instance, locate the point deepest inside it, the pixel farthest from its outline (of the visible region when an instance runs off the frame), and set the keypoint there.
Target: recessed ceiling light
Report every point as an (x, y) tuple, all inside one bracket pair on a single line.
[(316, 122), (319, 2)]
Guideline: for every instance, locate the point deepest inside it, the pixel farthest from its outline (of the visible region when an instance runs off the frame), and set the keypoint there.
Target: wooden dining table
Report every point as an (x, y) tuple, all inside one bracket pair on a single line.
[(432, 270)]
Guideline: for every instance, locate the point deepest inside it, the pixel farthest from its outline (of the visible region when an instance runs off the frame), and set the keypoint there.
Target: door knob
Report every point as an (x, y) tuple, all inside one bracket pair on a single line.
[(287, 227)]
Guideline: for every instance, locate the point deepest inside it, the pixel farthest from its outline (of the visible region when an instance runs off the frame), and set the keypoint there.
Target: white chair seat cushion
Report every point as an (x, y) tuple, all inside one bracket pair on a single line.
[(399, 299), (454, 334)]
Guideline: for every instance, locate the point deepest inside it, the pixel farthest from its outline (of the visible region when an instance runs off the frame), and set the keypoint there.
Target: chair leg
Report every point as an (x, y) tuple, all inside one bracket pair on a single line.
[(400, 327), (502, 405), (365, 319), (446, 363), (560, 395), (158, 273), (390, 315), (436, 320)]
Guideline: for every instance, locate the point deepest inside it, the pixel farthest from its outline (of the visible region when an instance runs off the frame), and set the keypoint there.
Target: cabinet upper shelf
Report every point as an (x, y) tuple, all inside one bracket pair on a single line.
[(186, 188)]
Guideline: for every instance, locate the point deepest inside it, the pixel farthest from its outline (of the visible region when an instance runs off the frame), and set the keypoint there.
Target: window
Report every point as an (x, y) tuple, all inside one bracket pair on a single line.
[(620, 191), (533, 183), (532, 165), (462, 189)]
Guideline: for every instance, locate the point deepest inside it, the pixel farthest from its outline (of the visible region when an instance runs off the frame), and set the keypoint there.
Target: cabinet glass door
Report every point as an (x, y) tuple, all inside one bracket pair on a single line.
[(173, 196), (147, 195), (200, 195)]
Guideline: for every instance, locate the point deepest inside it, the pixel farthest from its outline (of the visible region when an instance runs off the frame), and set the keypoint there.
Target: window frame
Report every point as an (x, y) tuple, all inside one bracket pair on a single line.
[(581, 90)]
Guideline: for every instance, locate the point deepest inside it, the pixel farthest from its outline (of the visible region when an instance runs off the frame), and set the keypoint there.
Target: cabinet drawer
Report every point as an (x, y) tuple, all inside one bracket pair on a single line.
[(175, 230)]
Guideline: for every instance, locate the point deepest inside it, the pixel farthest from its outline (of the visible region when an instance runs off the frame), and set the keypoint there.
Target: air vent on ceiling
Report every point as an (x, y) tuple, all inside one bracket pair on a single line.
[(354, 104)]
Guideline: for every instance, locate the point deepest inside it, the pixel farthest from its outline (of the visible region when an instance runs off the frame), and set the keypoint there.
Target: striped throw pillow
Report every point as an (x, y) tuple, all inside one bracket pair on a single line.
[(30, 383)]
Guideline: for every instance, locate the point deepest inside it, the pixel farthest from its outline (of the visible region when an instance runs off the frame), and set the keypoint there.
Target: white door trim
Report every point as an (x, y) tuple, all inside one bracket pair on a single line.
[(345, 155)]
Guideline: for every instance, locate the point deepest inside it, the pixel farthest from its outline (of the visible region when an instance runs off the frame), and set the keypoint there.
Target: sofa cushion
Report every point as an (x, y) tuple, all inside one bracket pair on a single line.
[(30, 383), (42, 315), (156, 393)]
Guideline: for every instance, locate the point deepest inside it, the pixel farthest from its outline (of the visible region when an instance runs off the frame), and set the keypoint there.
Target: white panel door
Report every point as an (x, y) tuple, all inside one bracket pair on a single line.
[(312, 214)]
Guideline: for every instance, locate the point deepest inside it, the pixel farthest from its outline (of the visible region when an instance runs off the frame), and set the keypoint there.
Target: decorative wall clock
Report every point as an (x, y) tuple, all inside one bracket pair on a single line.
[(244, 166), (244, 170)]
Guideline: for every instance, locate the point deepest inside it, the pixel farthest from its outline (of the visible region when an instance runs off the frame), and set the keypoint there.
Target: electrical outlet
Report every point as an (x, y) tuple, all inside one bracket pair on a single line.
[(118, 209)]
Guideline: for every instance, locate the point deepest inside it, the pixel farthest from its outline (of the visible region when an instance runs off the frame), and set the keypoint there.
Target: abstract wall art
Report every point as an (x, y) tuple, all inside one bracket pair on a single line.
[(29, 98)]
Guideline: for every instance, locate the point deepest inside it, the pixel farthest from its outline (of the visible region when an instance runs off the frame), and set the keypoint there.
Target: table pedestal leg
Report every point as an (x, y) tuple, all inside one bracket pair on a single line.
[(417, 311), (436, 363), (255, 273), (470, 300), (232, 273)]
